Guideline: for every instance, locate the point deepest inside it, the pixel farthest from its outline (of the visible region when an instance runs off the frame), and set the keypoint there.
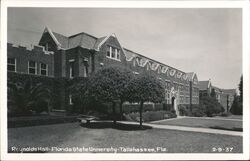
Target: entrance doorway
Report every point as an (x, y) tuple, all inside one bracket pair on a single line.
[(174, 106)]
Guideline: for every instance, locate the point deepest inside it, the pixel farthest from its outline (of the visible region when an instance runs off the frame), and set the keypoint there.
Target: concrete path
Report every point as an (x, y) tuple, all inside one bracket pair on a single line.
[(211, 118), (164, 120), (192, 129)]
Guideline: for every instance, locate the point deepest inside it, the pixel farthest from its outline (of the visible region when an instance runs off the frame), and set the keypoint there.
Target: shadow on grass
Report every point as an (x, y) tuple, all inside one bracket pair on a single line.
[(118, 126), (223, 128)]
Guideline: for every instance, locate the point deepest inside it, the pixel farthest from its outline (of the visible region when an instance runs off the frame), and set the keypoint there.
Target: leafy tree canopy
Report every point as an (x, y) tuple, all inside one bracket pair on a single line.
[(27, 96), (213, 94), (109, 84), (241, 88), (145, 88)]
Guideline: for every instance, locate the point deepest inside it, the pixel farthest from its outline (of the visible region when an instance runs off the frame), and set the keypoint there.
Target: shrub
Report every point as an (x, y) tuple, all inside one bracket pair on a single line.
[(198, 113), (211, 106), (225, 114), (183, 110), (150, 115)]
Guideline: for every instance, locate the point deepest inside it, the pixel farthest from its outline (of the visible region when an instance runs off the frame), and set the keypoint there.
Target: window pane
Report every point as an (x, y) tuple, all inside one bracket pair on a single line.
[(32, 71), (113, 53), (32, 64), (43, 66), (43, 72), (118, 54), (71, 69), (108, 51), (11, 67), (11, 60)]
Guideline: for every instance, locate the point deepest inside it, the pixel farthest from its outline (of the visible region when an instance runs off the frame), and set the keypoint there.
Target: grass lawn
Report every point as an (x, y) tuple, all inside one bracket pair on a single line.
[(206, 123), (238, 117), (104, 135)]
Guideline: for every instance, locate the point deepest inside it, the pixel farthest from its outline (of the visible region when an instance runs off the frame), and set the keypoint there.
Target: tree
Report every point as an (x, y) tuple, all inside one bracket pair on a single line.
[(213, 94), (241, 88), (109, 85), (27, 96), (78, 90), (145, 88), (211, 105), (236, 108)]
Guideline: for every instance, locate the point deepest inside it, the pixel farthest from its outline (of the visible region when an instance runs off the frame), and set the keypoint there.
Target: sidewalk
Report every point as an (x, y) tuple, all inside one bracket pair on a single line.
[(192, 129)]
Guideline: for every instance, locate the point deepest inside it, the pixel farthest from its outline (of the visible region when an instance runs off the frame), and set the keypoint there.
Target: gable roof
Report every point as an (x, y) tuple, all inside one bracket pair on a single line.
[(190, 75), (82, 39), (63, 40), (91, 42), (217, 89), (203, 85)]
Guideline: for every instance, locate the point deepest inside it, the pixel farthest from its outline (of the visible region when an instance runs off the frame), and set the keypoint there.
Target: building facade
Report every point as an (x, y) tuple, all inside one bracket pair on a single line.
[(224, 96), (58, 56)]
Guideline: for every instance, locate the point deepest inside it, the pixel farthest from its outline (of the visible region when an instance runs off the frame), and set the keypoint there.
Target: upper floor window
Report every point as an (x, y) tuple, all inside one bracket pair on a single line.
[(11, 64), (32, 67), (71, 68), (113, 53), (43, 69)]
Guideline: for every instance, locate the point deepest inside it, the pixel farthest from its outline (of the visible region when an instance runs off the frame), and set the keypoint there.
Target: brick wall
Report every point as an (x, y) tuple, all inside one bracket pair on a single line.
[(36, 53)]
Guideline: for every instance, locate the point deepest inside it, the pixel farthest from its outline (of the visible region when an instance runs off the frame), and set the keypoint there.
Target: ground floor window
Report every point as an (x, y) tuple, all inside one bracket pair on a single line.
[(32, 67), (43, 69)]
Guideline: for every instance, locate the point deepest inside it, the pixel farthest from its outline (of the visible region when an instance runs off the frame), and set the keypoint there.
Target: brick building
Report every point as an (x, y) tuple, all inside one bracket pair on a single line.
[(224, 96), (59, 56)]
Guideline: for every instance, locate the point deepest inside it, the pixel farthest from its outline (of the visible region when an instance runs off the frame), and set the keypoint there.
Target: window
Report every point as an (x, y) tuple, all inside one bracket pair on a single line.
[(43, 69), (11, 64), (113, 53), (118, 54), (71, 68), (70, 100), (32, 66), (108, 51)]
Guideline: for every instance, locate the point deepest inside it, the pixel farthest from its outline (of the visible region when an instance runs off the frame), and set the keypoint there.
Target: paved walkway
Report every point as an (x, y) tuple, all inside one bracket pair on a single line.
[(192, 129), (212, 118), (205, 118)]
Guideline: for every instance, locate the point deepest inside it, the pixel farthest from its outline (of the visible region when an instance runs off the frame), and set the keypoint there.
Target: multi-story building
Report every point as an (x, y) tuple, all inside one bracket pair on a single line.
[(224, 96), (59, 56)]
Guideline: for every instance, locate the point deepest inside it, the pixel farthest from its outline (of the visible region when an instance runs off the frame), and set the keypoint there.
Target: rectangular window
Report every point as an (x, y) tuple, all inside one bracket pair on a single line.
[(43, 69), (70, 100), (71, 69), (108, 51), (11, 64), (32, 67), (118, 54), (113, 53)]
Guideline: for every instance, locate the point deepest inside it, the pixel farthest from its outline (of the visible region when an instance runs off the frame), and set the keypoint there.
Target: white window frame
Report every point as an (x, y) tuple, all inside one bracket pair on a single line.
[(11, 64), (32, 67), (117, 52), (44, 69)]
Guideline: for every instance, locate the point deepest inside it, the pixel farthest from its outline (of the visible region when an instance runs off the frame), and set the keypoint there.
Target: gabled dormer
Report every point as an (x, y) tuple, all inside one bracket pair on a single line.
[(53, 41), (111, 48)]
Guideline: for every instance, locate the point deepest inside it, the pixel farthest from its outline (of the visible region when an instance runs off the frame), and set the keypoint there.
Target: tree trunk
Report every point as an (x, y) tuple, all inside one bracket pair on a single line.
[(114, 113), (120, 105), (141, 107)]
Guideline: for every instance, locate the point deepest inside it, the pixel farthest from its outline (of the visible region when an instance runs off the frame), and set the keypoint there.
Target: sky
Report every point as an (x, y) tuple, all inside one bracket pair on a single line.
[(201, 40)]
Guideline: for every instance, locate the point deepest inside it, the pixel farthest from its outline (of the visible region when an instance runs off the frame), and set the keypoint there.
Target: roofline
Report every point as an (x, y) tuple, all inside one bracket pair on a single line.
[(155, 60), (81, 34), (53, 36), (104, 40)]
